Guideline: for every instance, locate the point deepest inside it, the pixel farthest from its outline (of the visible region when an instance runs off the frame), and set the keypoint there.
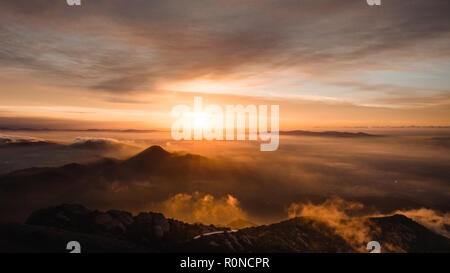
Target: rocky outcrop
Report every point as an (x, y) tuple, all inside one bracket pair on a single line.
[(146, 228), (151, 231), (112, 223), (294, 235)]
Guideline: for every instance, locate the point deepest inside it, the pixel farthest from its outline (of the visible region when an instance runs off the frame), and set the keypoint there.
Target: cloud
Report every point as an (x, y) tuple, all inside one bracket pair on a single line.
[(389, 174), (441, 100), (351, 220), (203, 208), (437, 221), (395, 95), (4, 139), (336, 212), (119, 46), (124, 100), (81, 140)]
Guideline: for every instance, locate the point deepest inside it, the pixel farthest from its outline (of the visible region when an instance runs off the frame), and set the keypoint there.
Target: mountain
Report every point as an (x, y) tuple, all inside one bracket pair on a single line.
[(326, 134), (48, 230), (4, 144), (155, 162), (149, 230), (240, 224), (405, 234), (152, 174), (17, 153), (96, 145), (155, 175), (395, 233)]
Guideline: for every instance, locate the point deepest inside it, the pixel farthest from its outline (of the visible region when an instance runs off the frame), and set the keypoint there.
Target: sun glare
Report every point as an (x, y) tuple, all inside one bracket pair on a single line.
[(200, 120)]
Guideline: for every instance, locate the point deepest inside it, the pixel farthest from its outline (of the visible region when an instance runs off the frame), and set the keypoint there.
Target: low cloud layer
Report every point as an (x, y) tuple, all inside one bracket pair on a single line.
[(6, 139), (234, 180), (434, 220), (203, 208), (23, 151), (336, 213), (351, 220)]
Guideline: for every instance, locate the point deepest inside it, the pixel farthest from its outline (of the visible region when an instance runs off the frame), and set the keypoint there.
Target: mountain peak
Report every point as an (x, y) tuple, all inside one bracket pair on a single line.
[(150, 155), (154, 150)]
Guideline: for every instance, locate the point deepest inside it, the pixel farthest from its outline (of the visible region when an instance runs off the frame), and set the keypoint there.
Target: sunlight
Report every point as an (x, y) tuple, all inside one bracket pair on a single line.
[(200, 120)]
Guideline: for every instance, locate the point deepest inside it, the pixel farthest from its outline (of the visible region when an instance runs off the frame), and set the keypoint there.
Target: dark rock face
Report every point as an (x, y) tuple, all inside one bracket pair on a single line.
[(115, 223), (70, 217), (400, 231), (147, 228), (77, 218), (19, 238), (153, 229), (294, 235), (150, 231)]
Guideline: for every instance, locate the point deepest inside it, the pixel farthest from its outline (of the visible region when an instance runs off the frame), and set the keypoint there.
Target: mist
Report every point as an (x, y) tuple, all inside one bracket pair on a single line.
[(218, 182)]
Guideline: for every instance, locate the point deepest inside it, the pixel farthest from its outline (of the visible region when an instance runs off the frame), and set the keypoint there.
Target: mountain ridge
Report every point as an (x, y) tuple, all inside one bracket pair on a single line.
[(120, 231), (327, 134)]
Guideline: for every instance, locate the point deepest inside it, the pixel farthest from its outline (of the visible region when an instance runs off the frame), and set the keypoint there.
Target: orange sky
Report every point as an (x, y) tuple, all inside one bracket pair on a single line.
[(127, 66)]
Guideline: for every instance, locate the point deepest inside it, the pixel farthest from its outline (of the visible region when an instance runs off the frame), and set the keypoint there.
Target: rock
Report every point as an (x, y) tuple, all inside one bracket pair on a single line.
[(149, 227), (141, 229), (67, 216), (124, 217), (158, 232), (302, 234), (77, 218), (105, 223), (161, 221)]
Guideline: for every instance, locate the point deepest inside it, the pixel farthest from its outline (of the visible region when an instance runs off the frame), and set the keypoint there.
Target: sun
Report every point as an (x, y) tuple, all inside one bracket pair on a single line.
[(201, 120)]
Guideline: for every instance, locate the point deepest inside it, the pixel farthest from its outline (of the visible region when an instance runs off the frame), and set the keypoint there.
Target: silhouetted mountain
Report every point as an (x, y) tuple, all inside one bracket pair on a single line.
[(77, 130), (17, 153), (404, 233), (155, 161), (6, 144), (299, 234), (151, 153), (46, 186), (118, 231), (326, 134), (240, 224), (147, 159), (94, 145), (148, 230)]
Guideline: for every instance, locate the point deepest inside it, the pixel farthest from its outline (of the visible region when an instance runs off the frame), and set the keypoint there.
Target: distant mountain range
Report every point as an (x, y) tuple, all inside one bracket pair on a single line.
[(49, 230), (44, 186), (326, 134), (293, 132), (20, 153), (77, 130)]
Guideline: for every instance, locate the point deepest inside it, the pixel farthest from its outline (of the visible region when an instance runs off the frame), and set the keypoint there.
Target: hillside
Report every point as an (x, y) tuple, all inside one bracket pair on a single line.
[(48, 230)]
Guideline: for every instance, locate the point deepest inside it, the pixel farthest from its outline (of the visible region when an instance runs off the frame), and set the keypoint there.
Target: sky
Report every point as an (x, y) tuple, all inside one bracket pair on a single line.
[(125, 64)]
